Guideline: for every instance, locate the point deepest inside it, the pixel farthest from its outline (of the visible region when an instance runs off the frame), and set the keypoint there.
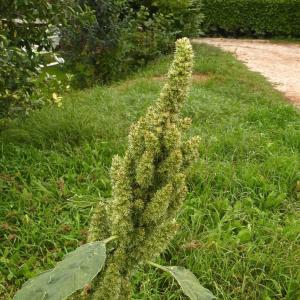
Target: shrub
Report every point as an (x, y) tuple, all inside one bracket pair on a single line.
[(252, 17), (23, 87), (17, 71), (25, 29), (145, 37), (155, 25), (105, 40), (186, 15), (89, 41)]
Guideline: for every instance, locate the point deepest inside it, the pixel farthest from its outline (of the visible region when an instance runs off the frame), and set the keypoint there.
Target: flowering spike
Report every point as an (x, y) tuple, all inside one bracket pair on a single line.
[(148, 184), (158, 205)]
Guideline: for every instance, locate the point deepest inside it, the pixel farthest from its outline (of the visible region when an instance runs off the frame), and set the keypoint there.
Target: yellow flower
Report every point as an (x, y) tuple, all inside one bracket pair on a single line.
[(57, 99)]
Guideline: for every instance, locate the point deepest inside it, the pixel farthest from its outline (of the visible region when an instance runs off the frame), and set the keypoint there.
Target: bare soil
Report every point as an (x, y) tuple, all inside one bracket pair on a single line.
[(278, 62)]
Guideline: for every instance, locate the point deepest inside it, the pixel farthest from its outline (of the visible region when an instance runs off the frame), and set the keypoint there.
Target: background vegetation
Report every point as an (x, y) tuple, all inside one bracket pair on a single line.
[(100, 41), (240, 225), (106, 40), (259, 18), (25, 30)]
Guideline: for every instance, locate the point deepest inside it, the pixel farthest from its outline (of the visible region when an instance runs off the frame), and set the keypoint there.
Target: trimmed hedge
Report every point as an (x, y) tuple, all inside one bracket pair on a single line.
[(252, 17)]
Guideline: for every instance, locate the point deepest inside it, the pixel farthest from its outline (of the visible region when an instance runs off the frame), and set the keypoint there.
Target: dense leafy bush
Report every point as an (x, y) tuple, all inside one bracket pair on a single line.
[(25, 28), (252, 17), (27, 23), (186, 14), (107, 39), (145, 37), (23, 87), (17, 71)]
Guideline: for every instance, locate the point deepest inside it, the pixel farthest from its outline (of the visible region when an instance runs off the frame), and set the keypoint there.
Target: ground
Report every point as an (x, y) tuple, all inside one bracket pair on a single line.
[(278, 62), (240, 225)]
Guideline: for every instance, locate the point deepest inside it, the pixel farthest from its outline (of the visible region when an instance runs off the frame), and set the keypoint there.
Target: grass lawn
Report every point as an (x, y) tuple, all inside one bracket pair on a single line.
[(240, 226)]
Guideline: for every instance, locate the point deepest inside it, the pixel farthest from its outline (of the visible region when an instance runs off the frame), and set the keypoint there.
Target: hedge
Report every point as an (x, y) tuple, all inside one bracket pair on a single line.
[(277, 18)]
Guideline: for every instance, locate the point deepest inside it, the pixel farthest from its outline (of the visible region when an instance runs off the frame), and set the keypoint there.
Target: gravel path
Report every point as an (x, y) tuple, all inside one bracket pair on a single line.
[(279, 63)]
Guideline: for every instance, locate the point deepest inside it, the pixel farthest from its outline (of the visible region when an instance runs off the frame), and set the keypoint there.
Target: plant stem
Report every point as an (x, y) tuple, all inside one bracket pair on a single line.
[(112, 238), (156, 265)]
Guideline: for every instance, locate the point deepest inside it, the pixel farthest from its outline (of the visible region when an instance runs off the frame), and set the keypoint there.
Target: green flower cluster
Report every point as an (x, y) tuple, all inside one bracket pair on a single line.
[(149, 183)]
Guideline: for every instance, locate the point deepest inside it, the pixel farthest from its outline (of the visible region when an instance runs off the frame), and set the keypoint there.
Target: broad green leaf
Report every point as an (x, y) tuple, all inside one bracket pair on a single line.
[(189, 283), (71, 274)]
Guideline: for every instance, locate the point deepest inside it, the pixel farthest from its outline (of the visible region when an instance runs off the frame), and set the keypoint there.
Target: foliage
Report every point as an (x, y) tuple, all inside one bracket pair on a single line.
[(80, 267), (105, 40), (23, 87), (71, 274), (27, 23), (89, 42), (187, 16), (188, 282), (17, 71), (252, 17), (25, 29), (144, 38), (55, 166)]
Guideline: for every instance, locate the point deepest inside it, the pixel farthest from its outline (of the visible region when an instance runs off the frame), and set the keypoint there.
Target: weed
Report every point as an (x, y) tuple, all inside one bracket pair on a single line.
[(242, 248)]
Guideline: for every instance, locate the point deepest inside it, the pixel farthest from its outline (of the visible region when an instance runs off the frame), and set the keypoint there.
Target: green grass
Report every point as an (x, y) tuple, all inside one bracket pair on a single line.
[(240, 226)]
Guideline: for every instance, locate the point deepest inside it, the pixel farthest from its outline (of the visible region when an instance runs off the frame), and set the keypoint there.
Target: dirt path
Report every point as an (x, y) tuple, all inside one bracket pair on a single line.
[(279, 63)]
